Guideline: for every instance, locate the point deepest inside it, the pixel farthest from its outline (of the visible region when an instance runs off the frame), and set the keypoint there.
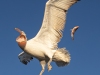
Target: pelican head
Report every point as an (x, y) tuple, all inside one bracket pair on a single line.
[(21, 39)]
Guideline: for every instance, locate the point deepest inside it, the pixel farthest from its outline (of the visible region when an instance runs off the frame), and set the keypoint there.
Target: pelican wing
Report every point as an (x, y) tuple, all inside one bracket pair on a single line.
[(53, 23), (24, 57)]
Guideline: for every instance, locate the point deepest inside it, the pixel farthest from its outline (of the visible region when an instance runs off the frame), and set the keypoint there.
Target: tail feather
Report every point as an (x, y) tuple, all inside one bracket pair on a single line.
[(61, 57)]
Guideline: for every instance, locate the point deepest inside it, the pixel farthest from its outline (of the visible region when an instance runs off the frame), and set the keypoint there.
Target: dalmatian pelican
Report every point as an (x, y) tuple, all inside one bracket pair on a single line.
[(44, 46)]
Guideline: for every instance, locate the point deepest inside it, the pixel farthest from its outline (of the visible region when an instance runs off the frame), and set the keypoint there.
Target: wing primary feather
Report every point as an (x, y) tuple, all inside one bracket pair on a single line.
[(24, 57), (54, 22)]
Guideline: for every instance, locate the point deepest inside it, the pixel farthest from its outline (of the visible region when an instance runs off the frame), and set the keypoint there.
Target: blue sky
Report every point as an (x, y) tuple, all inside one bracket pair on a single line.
[(28, 14)]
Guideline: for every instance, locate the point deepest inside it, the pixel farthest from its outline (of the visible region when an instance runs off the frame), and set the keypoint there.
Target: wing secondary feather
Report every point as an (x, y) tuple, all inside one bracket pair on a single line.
[(54, 21)]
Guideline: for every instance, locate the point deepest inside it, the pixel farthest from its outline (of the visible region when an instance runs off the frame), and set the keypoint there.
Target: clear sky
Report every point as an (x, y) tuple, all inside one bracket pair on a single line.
[(28, 14)]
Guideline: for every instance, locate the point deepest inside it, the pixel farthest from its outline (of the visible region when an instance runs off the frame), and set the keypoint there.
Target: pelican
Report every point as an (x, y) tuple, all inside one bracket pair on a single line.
[(44, 46), (73, 31)]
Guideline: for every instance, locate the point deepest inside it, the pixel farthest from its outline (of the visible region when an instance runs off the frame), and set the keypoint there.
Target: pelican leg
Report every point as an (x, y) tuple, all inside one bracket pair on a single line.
[(48, 64), (43, 64), (50, 55)]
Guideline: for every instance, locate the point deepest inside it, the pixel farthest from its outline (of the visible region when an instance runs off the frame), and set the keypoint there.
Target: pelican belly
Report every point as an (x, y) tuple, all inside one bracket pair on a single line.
[(37, 49)]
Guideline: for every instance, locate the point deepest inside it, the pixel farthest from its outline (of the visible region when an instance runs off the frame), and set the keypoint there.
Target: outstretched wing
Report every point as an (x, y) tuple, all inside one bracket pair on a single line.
[(53, 22), (24, 57)]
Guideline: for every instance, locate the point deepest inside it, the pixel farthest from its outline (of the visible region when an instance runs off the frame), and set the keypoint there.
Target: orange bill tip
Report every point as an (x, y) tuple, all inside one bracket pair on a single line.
[(18, 30)]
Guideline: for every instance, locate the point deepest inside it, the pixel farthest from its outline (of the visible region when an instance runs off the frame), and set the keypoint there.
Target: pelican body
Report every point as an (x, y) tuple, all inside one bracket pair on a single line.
[(44, 46)]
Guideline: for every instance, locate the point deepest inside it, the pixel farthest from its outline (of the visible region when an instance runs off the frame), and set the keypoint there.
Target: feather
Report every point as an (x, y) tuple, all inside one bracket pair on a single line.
[(54, 21), (24, 57), (62, 57), (73, 31)]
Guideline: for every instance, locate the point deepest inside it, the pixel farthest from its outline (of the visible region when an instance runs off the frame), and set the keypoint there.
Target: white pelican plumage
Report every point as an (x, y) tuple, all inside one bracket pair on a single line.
[(44, 46)]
